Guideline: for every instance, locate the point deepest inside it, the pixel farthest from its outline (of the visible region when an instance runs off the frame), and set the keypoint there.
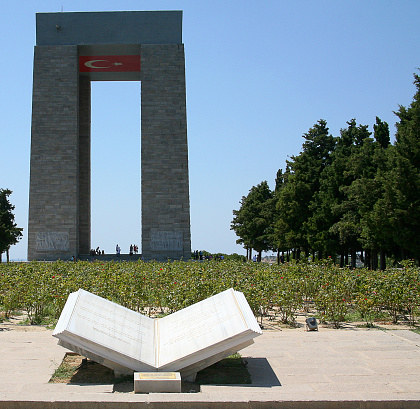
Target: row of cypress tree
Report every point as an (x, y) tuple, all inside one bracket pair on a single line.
[(357, 193)]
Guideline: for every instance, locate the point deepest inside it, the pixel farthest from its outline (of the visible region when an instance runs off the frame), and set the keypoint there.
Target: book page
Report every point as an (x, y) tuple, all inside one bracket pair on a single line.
[(114, 327), (199, 326)]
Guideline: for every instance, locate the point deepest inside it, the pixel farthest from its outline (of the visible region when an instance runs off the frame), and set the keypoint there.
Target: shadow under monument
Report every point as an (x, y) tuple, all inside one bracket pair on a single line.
[(262, 374), (260, 370)]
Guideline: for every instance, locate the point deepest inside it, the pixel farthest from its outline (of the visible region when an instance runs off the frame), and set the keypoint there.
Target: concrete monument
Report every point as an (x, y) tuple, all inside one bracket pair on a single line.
[(73, 49), (186, 341)]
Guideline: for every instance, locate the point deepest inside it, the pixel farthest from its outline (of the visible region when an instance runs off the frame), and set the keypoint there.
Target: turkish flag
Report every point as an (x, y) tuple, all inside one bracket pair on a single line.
[(109, 63)]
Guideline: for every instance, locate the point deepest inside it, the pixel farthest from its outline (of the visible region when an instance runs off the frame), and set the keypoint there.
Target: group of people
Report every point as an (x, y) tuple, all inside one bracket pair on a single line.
[(256, 258), (96, 252), (134, 249), (198, 255)]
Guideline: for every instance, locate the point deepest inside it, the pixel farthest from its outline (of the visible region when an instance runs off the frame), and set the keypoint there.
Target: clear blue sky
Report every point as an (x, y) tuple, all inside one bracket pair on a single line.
[(259, 75)]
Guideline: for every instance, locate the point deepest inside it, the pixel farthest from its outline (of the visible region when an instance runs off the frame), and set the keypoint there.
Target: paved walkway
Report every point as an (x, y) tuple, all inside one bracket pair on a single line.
[(289, 369)]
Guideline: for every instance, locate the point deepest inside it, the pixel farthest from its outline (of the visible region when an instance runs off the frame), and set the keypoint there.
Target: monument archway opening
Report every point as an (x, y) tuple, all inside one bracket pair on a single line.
[(72, 51), (115, 165)]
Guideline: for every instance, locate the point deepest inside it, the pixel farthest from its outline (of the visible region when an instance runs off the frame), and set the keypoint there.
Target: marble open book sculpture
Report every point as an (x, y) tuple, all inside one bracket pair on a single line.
[(186, 341)]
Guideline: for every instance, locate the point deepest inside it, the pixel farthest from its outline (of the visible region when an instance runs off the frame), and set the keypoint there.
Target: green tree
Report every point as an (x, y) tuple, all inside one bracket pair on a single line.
[(278, 238), (302, 182), (359, 169), (381, 133), (252, 223), (9, 232), (367, 190), (402, 183), (334, 219)]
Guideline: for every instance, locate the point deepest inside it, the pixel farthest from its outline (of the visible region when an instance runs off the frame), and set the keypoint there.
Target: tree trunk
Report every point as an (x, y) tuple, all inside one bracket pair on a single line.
[(353, 258), (346, 257), (278, 257), (259, 256), (367, 259), (382, 262), (342, 259), (7, 256), (374, 260)]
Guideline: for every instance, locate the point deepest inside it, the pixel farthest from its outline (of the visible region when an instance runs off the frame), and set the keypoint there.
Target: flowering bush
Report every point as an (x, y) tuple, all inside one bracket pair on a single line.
[(41, 289)]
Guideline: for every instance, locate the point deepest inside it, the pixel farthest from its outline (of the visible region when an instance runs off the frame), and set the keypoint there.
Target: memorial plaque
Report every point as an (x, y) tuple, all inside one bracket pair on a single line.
[(166, 240), (157, 375), (52, 241), (157, 382), (186, 341)]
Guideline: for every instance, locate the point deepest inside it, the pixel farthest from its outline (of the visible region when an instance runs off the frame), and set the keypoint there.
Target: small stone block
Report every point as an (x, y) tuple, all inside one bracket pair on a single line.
[(157, 382)]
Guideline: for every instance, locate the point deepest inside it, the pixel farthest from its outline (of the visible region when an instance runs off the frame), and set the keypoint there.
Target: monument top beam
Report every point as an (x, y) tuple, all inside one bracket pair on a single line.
[(111, 27)]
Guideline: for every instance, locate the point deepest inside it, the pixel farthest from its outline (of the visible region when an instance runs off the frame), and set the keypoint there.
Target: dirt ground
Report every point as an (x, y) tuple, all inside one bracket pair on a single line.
[(273, 323), (269, 323)]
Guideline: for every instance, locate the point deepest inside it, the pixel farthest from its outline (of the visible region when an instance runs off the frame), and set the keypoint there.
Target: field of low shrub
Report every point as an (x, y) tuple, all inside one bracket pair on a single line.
[(41, 289)]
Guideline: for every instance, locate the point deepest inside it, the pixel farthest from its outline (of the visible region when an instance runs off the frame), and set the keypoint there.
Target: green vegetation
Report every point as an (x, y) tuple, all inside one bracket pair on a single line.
[(9, 232), (41, 289), (64, 372), (342, 196)]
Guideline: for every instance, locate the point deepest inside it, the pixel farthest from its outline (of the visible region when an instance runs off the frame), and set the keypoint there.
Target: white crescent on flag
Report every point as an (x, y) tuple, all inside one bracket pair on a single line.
[(91, 62)]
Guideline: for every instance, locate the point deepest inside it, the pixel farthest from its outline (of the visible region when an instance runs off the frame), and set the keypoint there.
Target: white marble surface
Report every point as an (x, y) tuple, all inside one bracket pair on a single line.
[(204, 325), (125, 340), (104, 328)]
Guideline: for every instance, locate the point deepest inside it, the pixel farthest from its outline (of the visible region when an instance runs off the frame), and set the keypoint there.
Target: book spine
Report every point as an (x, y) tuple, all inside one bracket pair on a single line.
[(67, 313), (247, 313), (156, 342)]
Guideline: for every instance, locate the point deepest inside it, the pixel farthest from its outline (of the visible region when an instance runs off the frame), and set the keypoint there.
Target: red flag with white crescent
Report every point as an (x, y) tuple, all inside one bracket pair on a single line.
[(109, 63)]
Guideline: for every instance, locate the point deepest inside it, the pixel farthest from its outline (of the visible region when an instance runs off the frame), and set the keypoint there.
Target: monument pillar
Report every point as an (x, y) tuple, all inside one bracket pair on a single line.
[(164, 154), (84, 165), (53, 230)]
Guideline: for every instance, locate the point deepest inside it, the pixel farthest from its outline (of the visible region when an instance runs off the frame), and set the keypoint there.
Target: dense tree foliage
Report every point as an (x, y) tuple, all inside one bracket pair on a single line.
[(9, 232), (343, 196), (253, 221)]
